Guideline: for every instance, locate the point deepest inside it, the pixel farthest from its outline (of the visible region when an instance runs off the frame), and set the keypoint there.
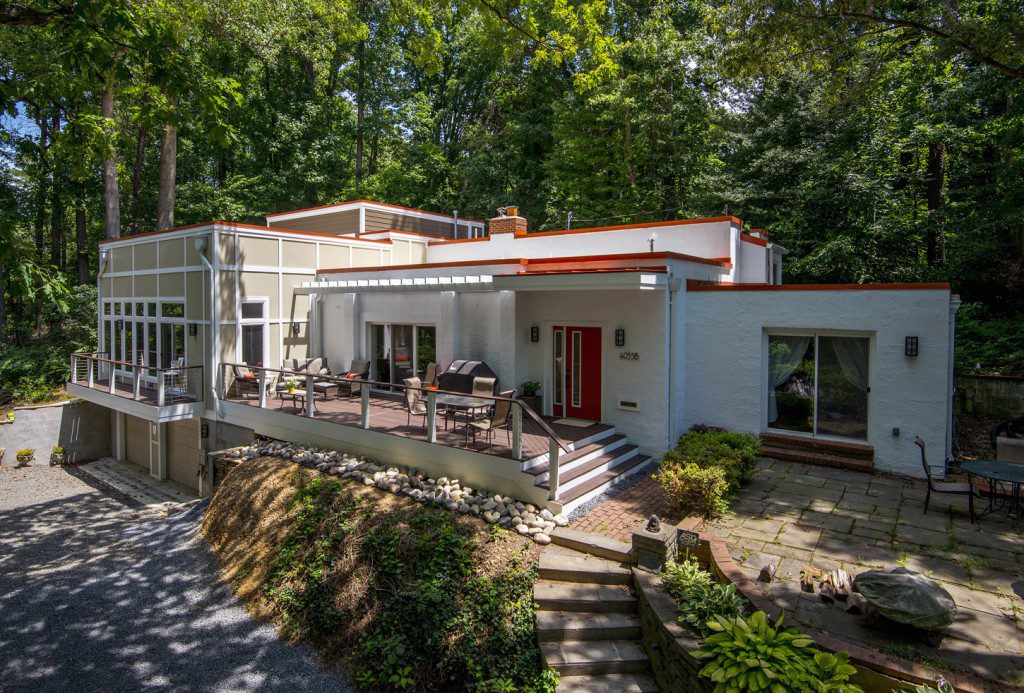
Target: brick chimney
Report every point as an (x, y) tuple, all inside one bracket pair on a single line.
[(508, 221)]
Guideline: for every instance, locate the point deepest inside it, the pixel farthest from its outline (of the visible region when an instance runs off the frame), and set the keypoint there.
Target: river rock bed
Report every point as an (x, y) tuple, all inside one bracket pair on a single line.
[(449, 493)]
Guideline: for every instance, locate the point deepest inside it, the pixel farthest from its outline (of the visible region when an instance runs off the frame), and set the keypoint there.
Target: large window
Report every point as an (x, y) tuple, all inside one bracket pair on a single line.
[(253, 331), (818, 384), (402, 351), (144, 332)]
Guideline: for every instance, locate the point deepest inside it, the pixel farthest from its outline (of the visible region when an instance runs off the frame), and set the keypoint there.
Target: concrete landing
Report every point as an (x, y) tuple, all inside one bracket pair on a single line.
[(134, 482)]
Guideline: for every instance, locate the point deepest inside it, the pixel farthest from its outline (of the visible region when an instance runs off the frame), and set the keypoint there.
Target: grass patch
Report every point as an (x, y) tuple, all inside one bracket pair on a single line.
[(406, 596)]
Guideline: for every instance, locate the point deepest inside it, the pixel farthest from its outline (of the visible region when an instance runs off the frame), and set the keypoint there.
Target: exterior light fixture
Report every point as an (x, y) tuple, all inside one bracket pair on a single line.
[(120, 324), (204, 430), (296, 328), (620, 337), (910, 346), (535, 333), (193, 329)]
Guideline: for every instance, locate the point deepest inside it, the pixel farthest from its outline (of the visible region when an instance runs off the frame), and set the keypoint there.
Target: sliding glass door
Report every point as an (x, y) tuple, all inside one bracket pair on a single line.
[(401, 351), (818, 384)]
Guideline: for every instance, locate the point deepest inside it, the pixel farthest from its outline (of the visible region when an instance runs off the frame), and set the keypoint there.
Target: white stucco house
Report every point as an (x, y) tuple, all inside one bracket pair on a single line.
[(634, 332)]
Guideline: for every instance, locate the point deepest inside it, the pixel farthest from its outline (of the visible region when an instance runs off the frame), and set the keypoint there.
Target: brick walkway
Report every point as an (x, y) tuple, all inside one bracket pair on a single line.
[(618, 517)]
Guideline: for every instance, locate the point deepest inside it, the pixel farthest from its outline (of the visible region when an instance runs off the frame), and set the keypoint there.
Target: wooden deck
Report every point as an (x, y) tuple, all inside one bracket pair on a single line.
[(147, 394), (388, 415)]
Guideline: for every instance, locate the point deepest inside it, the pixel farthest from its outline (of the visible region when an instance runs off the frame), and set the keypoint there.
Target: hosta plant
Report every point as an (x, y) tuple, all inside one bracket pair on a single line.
[(750, 654), (698, 596)]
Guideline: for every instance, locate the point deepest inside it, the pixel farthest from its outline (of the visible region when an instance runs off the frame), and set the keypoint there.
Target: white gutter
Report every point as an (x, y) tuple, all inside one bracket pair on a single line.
[(954, 306), (214, 321), (670, 358)]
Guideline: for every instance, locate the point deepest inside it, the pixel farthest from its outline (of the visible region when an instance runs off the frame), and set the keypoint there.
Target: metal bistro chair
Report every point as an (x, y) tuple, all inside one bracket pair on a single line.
[(430, 376), (414, 403), (497, 420), (957, 489)]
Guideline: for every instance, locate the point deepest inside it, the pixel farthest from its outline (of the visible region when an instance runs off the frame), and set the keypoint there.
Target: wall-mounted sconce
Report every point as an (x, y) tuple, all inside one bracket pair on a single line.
[(535, 333), (193, 329), (296, 328), (620, 337), (200, 243), (120, 324), (910, 346), (104, 254), (204, 430)]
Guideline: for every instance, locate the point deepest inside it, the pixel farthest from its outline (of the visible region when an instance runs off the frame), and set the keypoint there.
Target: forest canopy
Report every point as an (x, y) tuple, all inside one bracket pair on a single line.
[(876, 141)]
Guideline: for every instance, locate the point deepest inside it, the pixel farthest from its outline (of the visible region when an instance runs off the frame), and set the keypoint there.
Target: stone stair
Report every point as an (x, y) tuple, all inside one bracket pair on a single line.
[(595, 464), (587, 625), (857, 457)]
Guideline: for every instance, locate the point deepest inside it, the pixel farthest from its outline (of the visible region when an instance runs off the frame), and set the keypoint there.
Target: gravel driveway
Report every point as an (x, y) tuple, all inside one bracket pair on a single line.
[(96, 595)]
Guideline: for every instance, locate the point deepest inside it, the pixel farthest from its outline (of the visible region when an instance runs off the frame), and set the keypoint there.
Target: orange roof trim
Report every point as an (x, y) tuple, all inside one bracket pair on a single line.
[(754, 239)]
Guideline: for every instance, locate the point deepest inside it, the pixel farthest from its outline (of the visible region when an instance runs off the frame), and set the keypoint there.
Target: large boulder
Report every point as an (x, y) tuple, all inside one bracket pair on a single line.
[(907, 597)]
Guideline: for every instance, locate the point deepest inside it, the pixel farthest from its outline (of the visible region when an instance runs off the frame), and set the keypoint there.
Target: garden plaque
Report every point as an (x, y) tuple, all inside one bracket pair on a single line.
[(688, 539)]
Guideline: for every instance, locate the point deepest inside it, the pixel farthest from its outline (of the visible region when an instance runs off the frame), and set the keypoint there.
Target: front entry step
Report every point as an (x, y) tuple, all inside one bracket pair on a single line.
[(596, 657), (555, 595), (582, 568), (858, 457), (608, 683)]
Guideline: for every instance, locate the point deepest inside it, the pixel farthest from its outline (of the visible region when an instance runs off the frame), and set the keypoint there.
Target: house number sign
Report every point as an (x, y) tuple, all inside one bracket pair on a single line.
[(629, 356)]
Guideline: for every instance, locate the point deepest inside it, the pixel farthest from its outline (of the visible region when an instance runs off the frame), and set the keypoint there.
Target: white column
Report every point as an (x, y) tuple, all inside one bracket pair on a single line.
[(263, 388), (158, 451), (310, 393), (553, 452), (517, 432), (431, 416), (364, 401), (117, 443)]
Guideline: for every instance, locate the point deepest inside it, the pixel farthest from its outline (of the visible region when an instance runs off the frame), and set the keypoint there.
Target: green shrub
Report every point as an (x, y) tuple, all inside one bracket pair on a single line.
[(694, 489), (691, 472), (699, 597), (752, 655)]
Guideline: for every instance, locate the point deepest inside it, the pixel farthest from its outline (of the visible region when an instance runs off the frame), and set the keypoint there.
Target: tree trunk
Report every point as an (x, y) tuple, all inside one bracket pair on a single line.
[(135, 225), (935, 241), (360, 111), (3, 306), (41, 185), (56, 206), (168, 171), (81, 237), (111, 192)]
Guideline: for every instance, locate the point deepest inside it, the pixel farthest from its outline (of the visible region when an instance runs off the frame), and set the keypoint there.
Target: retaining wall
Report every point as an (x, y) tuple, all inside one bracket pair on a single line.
[(82, 428), (995, 396)]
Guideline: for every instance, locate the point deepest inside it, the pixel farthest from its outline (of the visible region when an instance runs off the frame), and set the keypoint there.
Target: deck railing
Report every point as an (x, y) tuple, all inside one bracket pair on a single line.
[(529, 435), (165, 386)]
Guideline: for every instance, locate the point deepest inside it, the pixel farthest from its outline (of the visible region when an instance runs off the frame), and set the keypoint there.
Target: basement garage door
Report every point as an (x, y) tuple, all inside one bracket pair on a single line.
[(184, 453), (136, 441)]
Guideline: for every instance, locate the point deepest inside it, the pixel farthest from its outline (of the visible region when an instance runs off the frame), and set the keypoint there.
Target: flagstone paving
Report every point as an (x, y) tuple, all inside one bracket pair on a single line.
[(796, 515)]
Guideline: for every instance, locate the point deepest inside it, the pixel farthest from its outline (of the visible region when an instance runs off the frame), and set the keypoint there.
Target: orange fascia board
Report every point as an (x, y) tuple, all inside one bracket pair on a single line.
[(461, 240), (230, 224), (606, 270), (698, 285), (580, 259), (371, 202), (754, 239)]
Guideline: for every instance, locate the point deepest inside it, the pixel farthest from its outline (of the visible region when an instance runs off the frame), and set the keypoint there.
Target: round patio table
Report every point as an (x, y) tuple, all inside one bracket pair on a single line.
[(457, 403), (1000, 474)]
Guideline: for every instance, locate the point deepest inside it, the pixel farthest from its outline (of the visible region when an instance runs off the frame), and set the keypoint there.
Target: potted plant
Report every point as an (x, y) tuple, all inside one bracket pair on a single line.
[(25, 456), (57, 455), (531, 395), (2, 451), (290, 386)]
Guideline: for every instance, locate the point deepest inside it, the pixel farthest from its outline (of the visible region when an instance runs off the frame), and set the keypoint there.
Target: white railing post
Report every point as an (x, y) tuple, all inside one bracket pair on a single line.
[(553, 451), (113, 377), (263, 388), (309, 395), (135, 383), (74, 368), (364, 400), (517, 431), (160, 388), (431, 416), (91, 370)]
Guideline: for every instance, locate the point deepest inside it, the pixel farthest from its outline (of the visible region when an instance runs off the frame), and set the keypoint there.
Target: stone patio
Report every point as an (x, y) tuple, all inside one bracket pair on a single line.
[(135, 483), (797, 515)]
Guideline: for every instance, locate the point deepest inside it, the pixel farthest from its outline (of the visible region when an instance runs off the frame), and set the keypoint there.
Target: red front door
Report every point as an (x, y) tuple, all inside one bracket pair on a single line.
[(577, 372)]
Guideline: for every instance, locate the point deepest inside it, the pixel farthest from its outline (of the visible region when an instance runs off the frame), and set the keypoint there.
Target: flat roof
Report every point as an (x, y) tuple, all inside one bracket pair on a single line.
[(214, 225), (353, 204)]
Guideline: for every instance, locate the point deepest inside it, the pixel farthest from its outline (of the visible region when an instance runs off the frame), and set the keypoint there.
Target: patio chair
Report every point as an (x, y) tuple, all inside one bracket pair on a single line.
[(431, 375), (414, 403), (245, 381), (498, 419), (958, 489), (482, 387), (357, 370)]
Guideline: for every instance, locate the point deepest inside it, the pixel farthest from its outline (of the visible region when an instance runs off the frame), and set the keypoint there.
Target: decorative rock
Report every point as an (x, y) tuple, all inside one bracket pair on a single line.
[(542, 538), (546, 514), (522, 529), (767, 573)]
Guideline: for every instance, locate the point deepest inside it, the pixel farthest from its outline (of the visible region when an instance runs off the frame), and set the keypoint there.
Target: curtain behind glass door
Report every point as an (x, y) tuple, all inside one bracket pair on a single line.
[(402, 364), (843, 386)]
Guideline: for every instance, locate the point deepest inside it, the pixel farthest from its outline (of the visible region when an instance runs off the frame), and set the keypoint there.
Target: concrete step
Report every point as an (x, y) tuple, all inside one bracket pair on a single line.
[(598, 483), (595, 657), (579, 454), (555, 595), (819, 459), (578, 474), (592, 544), (840, 448), (583, 568), (595, 434), (608, 683), (577, 625)]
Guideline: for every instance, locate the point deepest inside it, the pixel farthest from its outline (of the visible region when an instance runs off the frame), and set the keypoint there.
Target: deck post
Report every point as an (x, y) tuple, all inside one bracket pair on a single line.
[(517, 431), (91, 370), (553, 451), (364, 400), (431, 416), (74, 368), (161, 387), (310, 393), (135, 383), (113, 378), (263, 388)]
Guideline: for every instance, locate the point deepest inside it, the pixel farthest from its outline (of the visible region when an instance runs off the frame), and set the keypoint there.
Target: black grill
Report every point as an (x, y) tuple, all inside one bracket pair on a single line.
[(459, 376)]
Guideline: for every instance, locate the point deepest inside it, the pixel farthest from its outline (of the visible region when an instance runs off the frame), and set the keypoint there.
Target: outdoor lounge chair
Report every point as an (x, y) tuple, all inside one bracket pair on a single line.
[(414, 403), (498, 419), (357, 370), (245, 381), (959, 489), (300, 368)]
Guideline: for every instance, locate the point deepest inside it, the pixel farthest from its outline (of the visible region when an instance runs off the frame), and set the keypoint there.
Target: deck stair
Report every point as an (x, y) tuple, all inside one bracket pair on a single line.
[(587, 625), (838, 454), (595, 464)]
